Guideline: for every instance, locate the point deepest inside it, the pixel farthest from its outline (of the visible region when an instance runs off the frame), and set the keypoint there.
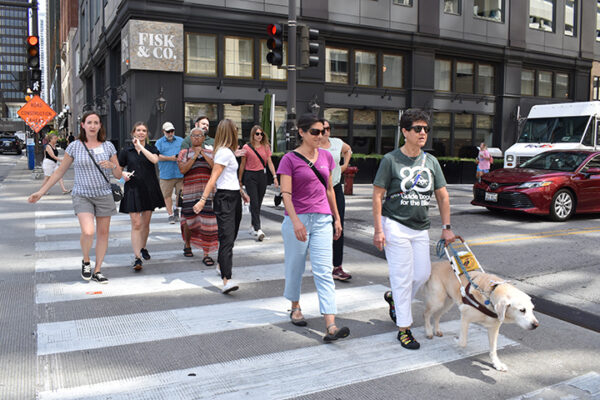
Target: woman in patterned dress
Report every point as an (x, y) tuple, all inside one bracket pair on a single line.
[(200, 229)]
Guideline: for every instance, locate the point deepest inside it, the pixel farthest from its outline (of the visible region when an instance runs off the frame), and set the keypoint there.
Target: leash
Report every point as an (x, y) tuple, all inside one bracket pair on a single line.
[(415, 180)]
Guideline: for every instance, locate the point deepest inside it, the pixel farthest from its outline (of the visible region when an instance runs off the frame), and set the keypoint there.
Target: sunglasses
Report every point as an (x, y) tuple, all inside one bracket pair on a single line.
[(259, 133), (170, 131), (419, 128), (315, 131)]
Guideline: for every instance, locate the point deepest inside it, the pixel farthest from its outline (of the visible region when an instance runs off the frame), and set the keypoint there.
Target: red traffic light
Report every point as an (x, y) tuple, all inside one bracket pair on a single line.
[(33, 40), (275, 30)]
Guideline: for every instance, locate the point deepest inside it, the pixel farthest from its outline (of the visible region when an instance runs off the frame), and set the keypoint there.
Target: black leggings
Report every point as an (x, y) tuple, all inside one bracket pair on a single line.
[(256, 185), (338, 245), (228, 209)]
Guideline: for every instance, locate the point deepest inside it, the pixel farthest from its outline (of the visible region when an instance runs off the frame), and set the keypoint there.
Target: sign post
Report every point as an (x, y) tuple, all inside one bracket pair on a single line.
[(36, 114)]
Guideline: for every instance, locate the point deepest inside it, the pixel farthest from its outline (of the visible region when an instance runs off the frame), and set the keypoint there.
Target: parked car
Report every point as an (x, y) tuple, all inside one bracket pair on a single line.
[(557, 183), (10, 144)]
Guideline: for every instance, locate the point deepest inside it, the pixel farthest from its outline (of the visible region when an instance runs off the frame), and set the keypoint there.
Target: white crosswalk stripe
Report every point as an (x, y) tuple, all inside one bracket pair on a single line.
[(66, 331)]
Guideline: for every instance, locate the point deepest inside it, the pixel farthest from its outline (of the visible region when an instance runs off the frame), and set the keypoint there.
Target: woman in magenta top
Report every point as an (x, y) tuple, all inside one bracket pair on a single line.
[(309, 210), (253, 175)]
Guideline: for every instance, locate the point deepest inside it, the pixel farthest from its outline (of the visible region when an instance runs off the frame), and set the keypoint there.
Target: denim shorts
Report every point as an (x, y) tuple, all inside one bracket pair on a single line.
[(102, 206)]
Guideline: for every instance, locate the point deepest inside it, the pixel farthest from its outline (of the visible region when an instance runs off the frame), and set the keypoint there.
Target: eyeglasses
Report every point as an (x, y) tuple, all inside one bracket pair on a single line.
[(170, 131), (259, 133), (315, 131), (419, 128), (197, 136)]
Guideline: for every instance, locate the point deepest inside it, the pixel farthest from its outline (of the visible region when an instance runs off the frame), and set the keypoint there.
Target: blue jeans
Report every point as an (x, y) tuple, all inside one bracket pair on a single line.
[(319, 232)]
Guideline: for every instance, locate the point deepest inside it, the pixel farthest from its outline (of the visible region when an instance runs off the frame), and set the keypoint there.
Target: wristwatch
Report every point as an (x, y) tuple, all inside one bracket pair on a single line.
[(447, 227)]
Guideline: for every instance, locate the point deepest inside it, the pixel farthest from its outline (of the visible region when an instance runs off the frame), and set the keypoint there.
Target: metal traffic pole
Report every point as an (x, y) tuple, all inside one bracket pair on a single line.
[(291, 128)]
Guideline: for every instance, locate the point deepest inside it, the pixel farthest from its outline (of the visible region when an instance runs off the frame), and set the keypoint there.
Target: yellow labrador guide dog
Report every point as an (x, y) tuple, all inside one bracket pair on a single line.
[(481, 298)]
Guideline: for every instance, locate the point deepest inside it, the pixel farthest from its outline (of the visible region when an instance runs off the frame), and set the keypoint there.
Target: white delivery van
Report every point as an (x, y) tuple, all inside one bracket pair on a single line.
[(556, 127)]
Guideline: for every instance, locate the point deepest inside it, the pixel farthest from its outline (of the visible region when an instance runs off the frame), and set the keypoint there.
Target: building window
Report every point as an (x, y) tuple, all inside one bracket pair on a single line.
[(403, 2), (389, 129), (239, 57), (463, 132), (243, 116), (598, 21), (484, 132), (485, 79), (268, 71), (336, 65), (596, 89), (541, 15), (365, 68), (561, 87), (392, 71), (443, 75), (440, 135), (464, 77), (570, 18), (527, 82), (452, 7), (194, 110), (544, 84), (488, 9), (338, 120), (201, 54), (364, 125)]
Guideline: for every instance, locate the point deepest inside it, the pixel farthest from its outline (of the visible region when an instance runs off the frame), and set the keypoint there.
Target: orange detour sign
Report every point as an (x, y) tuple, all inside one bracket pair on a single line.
[(36, 113)]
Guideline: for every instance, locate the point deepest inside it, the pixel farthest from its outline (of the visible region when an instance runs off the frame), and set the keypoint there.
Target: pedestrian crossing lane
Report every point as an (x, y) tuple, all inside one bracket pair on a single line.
[(287, 373)]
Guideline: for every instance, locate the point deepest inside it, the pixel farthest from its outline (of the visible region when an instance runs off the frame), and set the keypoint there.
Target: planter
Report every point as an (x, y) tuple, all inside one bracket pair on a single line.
[(367, 169)]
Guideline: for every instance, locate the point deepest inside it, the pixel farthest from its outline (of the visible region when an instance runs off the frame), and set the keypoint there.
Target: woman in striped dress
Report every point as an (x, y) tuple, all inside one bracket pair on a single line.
[(199, 230)]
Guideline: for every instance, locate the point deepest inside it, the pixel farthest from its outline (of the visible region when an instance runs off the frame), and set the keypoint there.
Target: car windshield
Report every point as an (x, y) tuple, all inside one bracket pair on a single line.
[(556, 161), (554, 130)]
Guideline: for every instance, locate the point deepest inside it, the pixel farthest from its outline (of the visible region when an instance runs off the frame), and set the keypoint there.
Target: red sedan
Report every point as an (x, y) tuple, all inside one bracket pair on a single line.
[(558, 183)]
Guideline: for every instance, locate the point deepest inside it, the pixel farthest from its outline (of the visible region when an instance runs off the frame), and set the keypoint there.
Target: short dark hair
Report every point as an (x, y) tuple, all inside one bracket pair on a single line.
[(411, 115), (306, 121), (200, 118)]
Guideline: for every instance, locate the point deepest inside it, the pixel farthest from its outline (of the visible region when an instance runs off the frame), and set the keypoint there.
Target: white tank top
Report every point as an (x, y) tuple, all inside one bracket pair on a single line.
[(335, 149)]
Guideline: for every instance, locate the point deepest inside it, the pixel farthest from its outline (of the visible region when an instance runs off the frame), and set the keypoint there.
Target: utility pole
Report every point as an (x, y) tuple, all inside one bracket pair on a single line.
[(291, 128)]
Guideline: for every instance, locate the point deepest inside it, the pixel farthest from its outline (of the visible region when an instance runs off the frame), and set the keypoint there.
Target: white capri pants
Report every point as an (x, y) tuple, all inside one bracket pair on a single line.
[(407, 254)]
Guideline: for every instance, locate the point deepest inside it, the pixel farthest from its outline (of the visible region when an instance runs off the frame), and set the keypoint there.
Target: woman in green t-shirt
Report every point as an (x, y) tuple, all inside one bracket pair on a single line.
[(407, 178)]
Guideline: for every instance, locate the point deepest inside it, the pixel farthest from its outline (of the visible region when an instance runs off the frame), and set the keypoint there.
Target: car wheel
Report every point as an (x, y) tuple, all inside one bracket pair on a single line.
[(563, 205)]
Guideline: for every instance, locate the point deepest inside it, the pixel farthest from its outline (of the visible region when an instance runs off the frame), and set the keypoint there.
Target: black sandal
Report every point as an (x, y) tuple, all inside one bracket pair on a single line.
[(297, 321), (208, 261), (187, 251), (338, 334)]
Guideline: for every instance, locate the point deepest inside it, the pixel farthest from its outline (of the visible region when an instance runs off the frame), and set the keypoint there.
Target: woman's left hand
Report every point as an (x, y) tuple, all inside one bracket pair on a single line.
[(448, 236), (199, 206), (337, 229)]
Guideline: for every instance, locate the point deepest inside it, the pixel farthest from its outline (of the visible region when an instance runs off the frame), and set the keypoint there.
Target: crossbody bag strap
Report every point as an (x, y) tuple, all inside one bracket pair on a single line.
[(258, 155), (95, 163), (312, 166)]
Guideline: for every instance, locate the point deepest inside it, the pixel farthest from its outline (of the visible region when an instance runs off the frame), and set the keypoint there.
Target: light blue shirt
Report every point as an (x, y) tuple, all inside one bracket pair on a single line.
[(169, 169)]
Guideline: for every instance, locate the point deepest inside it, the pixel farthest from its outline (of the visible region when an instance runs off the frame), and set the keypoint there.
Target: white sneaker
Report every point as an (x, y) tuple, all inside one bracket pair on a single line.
[(252, 232), (260, 235), (218, 270), (229, 287)]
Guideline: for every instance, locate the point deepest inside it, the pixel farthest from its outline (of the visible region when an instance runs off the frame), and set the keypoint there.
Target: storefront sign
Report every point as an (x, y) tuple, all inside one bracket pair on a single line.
[(154, 46)]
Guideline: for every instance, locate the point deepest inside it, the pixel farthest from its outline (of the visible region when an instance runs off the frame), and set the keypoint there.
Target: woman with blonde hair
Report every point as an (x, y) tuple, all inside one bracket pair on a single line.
[(93, 158), (142, 192), (253, 175), (227, 203)]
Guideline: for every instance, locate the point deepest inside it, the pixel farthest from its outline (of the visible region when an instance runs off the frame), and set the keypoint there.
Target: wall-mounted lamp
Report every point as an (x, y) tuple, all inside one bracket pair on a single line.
[(161, 102), (121, 101), (263, 88), (353, 92), (457, 97), (314, 106), (101, 105), (220, 86), (482, 100), (385, 92)]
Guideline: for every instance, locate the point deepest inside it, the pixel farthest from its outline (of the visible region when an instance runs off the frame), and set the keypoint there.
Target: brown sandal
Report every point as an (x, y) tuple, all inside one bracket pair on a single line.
[(297, 321)]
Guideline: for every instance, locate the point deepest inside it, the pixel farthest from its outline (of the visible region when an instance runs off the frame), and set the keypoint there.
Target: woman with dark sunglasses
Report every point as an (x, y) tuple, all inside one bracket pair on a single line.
[(407, 178), (253, 175), (310, 208), (338, 149)]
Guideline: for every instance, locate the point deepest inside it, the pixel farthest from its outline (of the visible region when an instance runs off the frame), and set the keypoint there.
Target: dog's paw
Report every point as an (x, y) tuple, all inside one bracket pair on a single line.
[(462, 342), (500, 366), (439, 333), (429, 336)]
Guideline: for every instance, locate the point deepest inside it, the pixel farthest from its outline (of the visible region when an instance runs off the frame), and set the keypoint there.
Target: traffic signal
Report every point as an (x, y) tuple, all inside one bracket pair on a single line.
[(275, 44), (33, 52), (309, 47)]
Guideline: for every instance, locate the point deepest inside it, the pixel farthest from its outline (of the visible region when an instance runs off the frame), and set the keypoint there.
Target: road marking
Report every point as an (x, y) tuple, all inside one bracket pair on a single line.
[(114, 228), (94, 333), (582, 387), (292, 373), (536, 236), (144, 284), (113, 242), (248, 248)]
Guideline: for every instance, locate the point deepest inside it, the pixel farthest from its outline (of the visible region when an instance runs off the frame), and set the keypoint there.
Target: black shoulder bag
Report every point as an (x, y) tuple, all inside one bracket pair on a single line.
[(117, 192), (312, 166)]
